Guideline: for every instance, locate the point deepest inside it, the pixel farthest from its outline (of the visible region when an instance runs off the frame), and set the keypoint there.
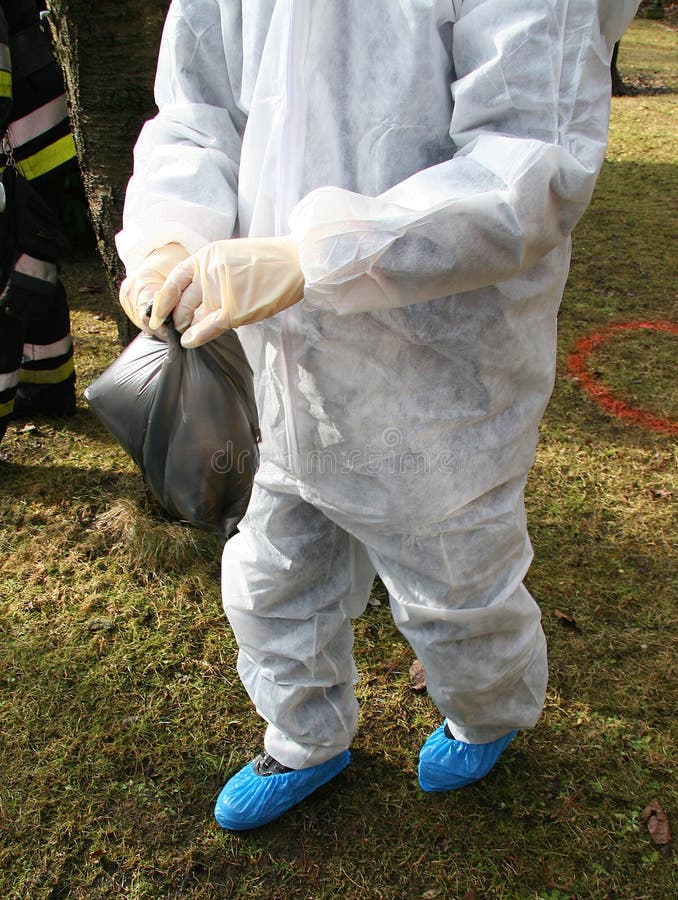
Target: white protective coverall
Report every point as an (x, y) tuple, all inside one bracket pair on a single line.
[(431, 158)]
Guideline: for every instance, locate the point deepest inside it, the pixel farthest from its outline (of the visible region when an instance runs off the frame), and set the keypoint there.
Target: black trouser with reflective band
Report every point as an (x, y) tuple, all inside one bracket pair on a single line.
[(46, 374), (36, 350), (11, 344)]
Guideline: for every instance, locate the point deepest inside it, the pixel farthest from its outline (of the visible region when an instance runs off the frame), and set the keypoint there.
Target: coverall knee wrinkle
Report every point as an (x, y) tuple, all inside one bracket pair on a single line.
[(290, 600)]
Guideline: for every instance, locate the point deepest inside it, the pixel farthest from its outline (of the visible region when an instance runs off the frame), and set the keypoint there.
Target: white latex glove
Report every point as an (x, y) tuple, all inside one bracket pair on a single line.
[(227, 284), (138, 290)]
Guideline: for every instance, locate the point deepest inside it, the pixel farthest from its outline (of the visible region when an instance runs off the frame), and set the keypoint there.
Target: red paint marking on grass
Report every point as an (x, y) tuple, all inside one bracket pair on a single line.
[(578, 368)]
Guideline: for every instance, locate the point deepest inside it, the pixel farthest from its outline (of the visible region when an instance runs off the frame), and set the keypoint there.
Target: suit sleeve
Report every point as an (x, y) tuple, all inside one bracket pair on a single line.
[(185, 181), (530, 120)]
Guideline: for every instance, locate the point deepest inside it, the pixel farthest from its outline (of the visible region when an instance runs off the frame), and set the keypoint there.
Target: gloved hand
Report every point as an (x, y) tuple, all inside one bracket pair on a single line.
[(230, 283), (138, 290)]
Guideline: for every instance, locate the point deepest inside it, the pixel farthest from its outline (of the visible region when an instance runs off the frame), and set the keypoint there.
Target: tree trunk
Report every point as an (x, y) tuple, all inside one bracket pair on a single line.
[(618, 86), (108, 51)]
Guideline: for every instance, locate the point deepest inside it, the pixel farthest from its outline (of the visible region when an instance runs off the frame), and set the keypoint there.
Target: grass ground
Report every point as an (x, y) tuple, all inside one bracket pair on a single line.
[(120, 709)]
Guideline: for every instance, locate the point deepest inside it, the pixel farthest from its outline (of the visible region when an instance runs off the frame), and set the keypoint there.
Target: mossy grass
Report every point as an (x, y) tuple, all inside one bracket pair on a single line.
[(121, 713)]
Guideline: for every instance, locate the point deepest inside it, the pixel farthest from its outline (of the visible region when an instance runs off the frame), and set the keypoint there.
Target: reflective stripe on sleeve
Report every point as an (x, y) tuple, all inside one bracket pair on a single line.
[(45, 160), (5, 58), (37, 122)]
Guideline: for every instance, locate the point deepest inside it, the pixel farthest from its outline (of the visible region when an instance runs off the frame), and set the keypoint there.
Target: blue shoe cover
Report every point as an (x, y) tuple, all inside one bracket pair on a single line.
[(249, 800), (446, 764)]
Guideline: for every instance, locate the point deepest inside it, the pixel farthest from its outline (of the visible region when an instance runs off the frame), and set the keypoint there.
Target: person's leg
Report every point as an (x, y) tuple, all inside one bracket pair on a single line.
[(45, 156), (292, 582), (47, 377), (457, 596), (11, 342)]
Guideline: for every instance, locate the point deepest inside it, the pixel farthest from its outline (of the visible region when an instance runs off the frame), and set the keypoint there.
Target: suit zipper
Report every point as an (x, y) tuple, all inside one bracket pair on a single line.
[(287, 166)]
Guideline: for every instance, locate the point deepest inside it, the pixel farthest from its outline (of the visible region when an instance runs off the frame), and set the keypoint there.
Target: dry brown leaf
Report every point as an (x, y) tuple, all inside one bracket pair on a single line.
[(417, 677), (658, 825), (567, 621)]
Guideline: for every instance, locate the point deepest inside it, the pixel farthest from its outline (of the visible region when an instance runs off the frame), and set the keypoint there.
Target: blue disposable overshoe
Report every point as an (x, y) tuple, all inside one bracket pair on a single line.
[(446, 764), (249, 800)]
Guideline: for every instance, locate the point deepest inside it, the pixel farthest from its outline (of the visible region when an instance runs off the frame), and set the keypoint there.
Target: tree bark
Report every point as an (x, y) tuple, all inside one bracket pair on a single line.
[(108, 51), (618, 86)]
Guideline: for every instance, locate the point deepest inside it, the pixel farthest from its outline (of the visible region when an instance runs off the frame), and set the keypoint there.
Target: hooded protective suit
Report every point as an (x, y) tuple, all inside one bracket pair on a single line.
[(431, 158)]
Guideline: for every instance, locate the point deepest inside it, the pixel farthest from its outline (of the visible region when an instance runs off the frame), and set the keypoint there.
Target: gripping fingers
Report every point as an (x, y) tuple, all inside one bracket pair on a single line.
[(169, 296), (189, 305), (206, 329), (134, 300), (127, 301)]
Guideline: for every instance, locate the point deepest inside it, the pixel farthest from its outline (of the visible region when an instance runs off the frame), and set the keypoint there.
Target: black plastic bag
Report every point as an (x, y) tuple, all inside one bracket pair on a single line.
[(189, 420)]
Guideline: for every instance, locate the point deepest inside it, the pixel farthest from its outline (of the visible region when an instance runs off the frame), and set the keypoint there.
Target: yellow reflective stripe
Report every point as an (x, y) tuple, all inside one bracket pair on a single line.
[(5, 83), (45, 160), (47, 376), (7, 408)]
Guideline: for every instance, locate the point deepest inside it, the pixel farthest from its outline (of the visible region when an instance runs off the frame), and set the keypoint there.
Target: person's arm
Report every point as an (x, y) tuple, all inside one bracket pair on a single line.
[(185, 182), (530, 120)]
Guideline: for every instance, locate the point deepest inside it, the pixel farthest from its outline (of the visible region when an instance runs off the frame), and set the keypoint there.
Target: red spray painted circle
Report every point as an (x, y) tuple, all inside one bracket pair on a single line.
[(605, 398)]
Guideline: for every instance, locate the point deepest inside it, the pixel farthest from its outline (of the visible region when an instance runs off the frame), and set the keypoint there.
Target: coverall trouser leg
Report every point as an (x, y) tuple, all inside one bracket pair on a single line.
[(293, 580), (457, 596)]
